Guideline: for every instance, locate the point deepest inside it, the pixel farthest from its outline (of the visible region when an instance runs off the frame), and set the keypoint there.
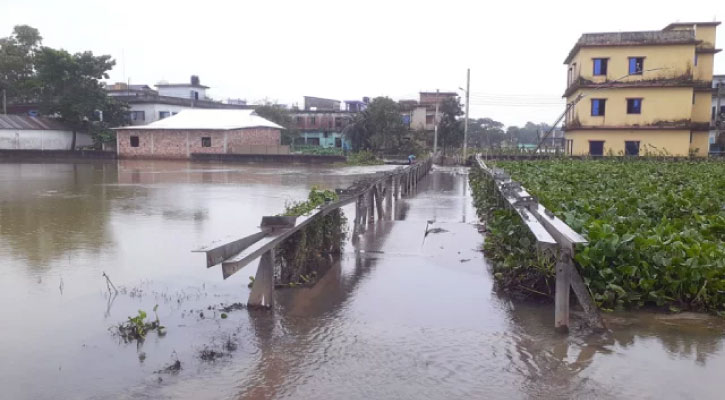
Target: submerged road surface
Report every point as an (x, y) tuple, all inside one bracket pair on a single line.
[(409, 312)]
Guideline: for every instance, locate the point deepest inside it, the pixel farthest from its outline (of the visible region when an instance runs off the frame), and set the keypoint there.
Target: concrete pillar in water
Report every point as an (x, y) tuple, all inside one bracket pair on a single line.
[(371, 205), (262, 294), (379, 188), (561, 298)]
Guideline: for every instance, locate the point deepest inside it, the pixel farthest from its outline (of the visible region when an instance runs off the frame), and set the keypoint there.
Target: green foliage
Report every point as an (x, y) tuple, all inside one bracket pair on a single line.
[(517, 265), (136, 328), (311, 249), (363, 158), (450, 128), (485, 132), (280, 115), (378, 128), (656, 229), (17, 53), (318, 150), (66, 85)]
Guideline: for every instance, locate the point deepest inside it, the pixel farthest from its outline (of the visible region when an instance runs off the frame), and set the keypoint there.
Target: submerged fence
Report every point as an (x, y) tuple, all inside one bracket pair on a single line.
[(369, 194), (551, 233)]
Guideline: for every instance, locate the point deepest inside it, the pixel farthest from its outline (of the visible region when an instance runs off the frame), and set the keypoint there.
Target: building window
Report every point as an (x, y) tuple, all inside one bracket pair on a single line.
[(164, 114), (600, 66), (695, 59), (428, 119), (338, 122), (631, 147), (690, 137), (137, 115), (634, 106), (569, 146), (598, 107), (206, 142), (693, 97), (134, 141), (596, 147), (338, 142), (300, 121), (636, 65), (312, 121)]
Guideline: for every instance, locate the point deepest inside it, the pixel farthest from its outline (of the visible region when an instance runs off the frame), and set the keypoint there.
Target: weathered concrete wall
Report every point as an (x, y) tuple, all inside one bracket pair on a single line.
[(182, 143), (25, 139), (269, 158)]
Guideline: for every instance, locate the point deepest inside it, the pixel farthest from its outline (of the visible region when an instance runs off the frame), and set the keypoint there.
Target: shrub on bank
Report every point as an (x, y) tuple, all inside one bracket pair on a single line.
[(363, 158), (656, 229)]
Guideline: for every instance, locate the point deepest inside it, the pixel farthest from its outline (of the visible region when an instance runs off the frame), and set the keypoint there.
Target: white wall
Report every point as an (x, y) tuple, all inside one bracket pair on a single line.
[(183, 92), (12, 139), (151, 111)]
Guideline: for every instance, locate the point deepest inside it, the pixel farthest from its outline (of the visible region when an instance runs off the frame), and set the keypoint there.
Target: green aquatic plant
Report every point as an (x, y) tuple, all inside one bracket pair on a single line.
[(136, 328), (656, 228), (311, 249)]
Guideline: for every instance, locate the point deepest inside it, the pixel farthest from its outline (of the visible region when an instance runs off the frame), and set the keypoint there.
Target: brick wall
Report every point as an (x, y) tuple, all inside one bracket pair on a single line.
[(160, 143)]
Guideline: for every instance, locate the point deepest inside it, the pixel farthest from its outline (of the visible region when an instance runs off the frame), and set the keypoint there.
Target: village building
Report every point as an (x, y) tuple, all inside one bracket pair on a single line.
[(641, 92), (201, 131), (322, 122), (419, 115), (717, 131), (23, 132), (147, 105)]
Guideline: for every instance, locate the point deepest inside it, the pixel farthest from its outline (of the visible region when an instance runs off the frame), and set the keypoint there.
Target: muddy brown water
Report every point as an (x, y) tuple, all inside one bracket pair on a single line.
[(402, 315)]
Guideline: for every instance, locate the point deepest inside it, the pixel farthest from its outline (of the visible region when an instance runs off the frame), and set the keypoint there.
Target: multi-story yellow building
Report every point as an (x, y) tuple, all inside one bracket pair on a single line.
[(636, 93)]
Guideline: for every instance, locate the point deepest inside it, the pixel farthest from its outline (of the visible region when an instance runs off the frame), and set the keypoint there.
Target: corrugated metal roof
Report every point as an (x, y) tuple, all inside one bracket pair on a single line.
[(26, 122), (209, 119)]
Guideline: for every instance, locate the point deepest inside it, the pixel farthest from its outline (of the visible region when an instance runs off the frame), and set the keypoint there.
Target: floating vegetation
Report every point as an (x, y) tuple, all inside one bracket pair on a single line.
[(518, 267), (656, 228), (136, 328)]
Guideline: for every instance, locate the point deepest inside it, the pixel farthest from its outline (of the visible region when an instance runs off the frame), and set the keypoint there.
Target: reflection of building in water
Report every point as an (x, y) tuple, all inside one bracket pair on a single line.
[(147, 172)]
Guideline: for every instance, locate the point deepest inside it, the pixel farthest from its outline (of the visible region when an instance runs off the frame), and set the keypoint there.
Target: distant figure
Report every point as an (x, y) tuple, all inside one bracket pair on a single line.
[(411, 159)]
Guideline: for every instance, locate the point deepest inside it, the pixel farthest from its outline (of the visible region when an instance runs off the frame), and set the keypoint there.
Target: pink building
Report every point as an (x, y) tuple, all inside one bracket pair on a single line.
[(201, 131)]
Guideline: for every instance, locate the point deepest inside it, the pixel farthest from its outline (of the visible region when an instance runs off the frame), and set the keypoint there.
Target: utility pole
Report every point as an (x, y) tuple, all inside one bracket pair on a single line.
[(465, 126), (435, 132)]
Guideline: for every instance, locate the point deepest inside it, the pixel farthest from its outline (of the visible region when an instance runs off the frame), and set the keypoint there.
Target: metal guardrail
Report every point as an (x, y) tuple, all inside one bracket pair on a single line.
[(368, 194), (550, 233)]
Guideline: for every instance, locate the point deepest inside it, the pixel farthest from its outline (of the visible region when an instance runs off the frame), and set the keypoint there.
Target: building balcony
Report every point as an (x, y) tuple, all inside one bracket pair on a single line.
[(684, 124), (685, 80)]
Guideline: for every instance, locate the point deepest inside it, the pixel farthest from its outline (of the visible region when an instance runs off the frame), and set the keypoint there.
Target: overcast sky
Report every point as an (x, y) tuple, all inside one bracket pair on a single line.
[(283, 50)]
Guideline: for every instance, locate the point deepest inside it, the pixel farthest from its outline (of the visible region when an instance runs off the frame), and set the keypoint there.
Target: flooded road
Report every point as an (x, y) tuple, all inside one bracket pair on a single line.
[(402, 315)]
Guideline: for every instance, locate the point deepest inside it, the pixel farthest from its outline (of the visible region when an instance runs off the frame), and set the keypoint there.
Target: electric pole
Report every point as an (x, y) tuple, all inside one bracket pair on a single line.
[(465, 126), (435, 132)]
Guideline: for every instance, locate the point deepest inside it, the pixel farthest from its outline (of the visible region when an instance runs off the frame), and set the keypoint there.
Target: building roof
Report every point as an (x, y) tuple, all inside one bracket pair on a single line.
[(689, 24), (643, 38), (441, 93), (158, 85), (209, 120), (25, 122)]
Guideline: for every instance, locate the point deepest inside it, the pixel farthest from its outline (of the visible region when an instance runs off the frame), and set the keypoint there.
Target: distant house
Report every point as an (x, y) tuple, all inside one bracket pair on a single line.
[(717, 116), (22, 132), (201, 131), (420, 115), (147, 105), (321, 104), (322, 122)]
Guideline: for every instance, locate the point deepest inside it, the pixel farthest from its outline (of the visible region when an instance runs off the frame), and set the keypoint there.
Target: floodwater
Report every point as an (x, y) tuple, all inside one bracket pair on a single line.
[(403, 315)]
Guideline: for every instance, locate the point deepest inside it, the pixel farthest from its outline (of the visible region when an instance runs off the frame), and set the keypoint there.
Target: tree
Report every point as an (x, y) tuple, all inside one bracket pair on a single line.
[(450, 128), (280, 115), (528, 134), (17, 71), (378, 128), (71, 90), (485, 132)]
